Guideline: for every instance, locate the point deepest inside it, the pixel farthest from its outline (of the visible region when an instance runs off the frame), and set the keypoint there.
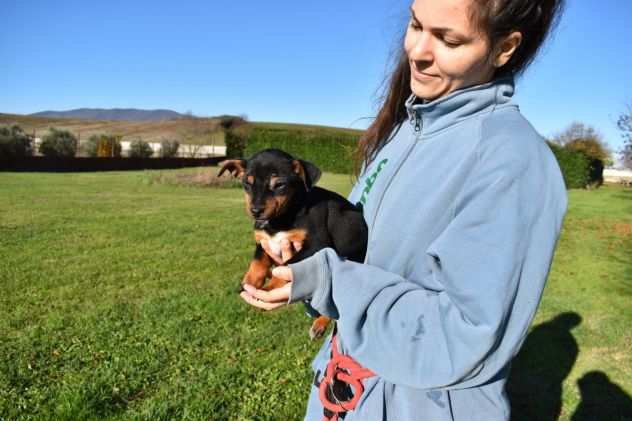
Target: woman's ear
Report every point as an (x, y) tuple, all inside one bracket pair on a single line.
[(506, 48)]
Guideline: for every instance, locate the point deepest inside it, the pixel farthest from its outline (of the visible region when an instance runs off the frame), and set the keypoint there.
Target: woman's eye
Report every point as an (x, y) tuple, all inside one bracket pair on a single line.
[(451, 43), (413, 25)]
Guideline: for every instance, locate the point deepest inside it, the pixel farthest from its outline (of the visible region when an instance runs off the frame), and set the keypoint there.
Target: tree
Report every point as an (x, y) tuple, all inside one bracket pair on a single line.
[(103, 146), (581, 137), (593, 148), (169, 148), (624, 123), (14, 142), (138, 148), (59, 143)]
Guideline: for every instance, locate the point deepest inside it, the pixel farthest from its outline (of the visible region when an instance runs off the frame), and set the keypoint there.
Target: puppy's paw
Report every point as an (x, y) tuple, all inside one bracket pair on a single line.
[(318, 328)]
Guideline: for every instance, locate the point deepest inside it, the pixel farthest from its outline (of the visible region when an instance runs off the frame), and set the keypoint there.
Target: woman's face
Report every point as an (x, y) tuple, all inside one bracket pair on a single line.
[(445, 50)]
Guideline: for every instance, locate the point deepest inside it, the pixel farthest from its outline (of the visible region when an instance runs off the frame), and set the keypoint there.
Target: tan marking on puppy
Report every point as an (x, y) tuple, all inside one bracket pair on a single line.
[(297, 167), (279, 203), (297, 235), (250, 179), (258, 270), (261, 235), (248, 202)]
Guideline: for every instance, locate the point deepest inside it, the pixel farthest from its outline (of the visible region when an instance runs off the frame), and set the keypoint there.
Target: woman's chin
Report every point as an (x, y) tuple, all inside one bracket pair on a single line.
[(427, 91)]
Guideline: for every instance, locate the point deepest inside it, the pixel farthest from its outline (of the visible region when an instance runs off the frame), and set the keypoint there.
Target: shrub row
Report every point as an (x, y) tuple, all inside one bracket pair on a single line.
[(15, 143), (579, 170), (333, 152), (72, 164), (330, 151)]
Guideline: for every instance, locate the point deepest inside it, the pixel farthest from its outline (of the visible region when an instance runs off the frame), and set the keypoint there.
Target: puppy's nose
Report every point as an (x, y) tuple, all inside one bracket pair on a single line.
[(256, 211)]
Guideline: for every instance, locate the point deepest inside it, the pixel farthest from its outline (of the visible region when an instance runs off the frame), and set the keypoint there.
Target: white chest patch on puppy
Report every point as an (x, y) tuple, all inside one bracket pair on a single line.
[(274, 241)]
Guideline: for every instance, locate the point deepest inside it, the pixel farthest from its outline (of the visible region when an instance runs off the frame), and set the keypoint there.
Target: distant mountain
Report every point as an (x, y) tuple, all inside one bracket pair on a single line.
[(129, 114)]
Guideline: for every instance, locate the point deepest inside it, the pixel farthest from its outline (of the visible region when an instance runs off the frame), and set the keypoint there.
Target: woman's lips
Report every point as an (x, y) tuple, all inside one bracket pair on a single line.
[(422, 76)]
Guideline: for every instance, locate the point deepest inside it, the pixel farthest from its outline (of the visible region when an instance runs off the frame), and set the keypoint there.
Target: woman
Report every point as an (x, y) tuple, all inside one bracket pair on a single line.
[(464, 203)]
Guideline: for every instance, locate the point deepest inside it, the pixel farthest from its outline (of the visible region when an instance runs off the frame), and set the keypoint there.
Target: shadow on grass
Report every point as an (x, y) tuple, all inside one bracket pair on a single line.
[(602, 399), (547, 356), (539, 369)]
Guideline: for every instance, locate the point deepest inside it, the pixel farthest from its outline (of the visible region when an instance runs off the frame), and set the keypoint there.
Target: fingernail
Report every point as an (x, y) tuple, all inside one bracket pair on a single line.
[(248, 288)]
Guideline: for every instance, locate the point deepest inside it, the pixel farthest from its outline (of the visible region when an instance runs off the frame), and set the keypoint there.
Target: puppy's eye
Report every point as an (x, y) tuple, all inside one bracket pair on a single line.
[(280, 187)]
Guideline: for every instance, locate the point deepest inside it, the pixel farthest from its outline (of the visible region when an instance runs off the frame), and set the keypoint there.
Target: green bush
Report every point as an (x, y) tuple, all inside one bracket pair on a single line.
[(235, 140), (228, 122), (14, 143), (579, 170), (138, 148), (59, 143), (169, 148), (330, 150), (90, 146)]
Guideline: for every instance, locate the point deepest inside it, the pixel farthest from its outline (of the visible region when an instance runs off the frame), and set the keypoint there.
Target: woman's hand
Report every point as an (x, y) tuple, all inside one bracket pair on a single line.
[(273, 299)]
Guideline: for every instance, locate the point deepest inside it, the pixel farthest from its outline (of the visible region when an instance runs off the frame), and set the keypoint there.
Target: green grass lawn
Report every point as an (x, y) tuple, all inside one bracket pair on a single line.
[(118, 300)]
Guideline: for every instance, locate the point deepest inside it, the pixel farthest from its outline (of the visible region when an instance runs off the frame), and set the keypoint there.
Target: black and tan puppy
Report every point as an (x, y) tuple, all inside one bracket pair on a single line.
[(282, 198)]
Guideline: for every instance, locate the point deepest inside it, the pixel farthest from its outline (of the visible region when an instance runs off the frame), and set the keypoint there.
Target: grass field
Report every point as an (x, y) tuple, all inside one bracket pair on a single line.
[(118, 301)]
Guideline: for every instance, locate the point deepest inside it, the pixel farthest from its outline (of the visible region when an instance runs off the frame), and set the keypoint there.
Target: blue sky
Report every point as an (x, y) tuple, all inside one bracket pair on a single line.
[(286, 61)]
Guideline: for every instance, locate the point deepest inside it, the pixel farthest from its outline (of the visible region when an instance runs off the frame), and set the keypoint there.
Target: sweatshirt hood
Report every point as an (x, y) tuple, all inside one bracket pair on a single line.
[(461, 104)]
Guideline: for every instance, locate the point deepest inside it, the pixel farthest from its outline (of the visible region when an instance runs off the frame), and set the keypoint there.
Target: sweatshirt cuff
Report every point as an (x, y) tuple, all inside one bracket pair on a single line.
[(312, 283)]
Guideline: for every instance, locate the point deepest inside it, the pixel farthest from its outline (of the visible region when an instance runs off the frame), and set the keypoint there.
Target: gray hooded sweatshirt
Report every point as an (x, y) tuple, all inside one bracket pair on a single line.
[(464, 206)]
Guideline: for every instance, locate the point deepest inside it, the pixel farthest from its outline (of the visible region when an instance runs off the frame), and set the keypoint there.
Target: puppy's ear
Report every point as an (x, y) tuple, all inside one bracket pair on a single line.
[(307, 171), (237, 167)]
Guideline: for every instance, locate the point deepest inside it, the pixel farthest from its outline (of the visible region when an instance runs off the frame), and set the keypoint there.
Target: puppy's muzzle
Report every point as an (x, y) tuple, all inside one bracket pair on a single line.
[(256, 212)]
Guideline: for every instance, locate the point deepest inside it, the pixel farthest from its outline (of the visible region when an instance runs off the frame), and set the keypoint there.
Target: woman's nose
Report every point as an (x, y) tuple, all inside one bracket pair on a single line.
[(422, 48)]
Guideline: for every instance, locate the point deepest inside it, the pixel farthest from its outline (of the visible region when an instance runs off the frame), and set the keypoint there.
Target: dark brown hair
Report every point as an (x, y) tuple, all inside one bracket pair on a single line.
[(534, 19)]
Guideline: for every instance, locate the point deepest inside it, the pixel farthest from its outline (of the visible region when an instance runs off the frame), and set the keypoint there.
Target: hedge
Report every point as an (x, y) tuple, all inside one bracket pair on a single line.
[(331, 151), (579, 170), (65, 164)]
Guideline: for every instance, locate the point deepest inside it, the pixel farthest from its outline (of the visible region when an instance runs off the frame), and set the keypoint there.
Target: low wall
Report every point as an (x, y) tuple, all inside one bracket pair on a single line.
[(49, 164), (617, 176)]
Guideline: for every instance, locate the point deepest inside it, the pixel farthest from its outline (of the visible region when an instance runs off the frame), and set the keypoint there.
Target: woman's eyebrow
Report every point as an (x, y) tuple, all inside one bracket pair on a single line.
[(412, 12)]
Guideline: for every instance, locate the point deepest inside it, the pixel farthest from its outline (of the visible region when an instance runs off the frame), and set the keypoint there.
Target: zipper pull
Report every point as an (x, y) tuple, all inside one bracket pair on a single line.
[(418, 122)]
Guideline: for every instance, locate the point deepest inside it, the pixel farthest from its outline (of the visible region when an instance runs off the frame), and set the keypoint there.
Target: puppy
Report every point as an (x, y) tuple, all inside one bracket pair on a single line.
[(282, 198)]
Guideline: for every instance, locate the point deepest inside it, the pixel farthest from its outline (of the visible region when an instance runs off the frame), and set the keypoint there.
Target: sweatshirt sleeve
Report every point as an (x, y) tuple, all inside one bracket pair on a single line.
[(420, 338)]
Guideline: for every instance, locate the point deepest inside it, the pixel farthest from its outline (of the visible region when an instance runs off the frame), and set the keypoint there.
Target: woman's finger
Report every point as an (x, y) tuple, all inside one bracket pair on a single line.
[(255, 302), (275, 295), (283, 272)]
